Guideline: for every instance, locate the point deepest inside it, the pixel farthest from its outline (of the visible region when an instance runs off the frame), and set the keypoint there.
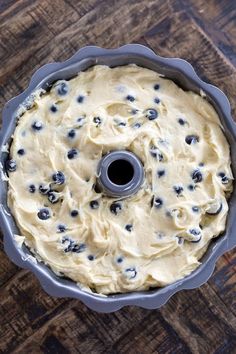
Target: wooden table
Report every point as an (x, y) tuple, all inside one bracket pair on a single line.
[(33, 33)]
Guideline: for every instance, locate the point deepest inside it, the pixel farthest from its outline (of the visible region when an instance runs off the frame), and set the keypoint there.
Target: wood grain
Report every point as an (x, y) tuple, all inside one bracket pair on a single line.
[(33, 33)]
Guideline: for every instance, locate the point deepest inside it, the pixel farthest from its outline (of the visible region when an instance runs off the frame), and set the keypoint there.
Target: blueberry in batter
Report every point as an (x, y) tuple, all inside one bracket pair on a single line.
[(11, 165), (151, 114), (43, 214)]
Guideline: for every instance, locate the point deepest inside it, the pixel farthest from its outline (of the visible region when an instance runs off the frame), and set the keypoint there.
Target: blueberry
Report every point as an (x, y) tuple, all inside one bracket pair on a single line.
[(119, 260), (28, 104), (137, 125), (37, 125), (11, 165), (130, 98), (215, 209), (191, 187), (115, 208), (195, 209), (62, 88), (131, 272), (21, 152), (72, 154), (61, 228), (65, 239), (155, 152), (69, 244), (197, 176), (72, 246), (43, 214), (129, 227), (52, 197), (71, 134), (181, 121), (32, 188), (122, 124), (151, 114), (157, 202), (197, 235), (53, 108), (97, 121), (97, 188), (224, 178), (58, 177), (156, 87), (163, 141), (178, 190), (134, 111), (194, 232), (74, 213), (94, 204), (180, 240), (160, 235), (161, 173), (221, 174), (157, 100), (80, 121), (80, 99), (78, 248), (90, 257), (192, 139), (44, 189)]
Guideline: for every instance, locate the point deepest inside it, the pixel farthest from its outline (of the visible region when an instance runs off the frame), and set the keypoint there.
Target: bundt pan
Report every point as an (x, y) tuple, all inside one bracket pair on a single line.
[(184, 75)]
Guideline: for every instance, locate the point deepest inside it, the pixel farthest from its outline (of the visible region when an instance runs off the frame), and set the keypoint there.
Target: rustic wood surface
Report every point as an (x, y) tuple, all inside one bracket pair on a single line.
[(33, 33)]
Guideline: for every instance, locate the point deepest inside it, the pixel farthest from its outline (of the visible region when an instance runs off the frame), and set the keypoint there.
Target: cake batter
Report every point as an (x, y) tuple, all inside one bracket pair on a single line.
[(108, 245)]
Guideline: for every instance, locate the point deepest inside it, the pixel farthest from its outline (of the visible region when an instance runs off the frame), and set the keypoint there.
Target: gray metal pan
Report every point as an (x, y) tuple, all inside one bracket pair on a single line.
[(184, 75)]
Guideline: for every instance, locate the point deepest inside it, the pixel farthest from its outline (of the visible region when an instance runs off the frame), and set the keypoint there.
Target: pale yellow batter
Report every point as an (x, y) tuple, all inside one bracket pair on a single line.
[(150, 239)]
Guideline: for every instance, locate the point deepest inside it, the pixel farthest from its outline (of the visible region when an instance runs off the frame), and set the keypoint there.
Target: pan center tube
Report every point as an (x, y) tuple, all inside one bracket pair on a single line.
[(120, 174)]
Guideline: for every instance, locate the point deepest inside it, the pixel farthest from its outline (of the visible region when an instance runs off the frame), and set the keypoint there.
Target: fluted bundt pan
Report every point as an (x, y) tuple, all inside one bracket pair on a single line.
[(184, 75)]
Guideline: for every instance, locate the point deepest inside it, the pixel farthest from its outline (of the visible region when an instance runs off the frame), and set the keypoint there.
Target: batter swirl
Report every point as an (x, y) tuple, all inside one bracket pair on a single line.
[(104, 244)]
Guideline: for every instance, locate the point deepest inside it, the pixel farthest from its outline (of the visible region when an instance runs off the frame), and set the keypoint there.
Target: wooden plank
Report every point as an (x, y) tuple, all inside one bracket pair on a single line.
[(26, 311), (223, 281), (9, 8), (31, 29), (7, 268), (195, 316), (44, 46), (5, 4), (83, 7), (217, 18), (177, 327), (196, 47), (152, 335), (24, 307), (148, 334)]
